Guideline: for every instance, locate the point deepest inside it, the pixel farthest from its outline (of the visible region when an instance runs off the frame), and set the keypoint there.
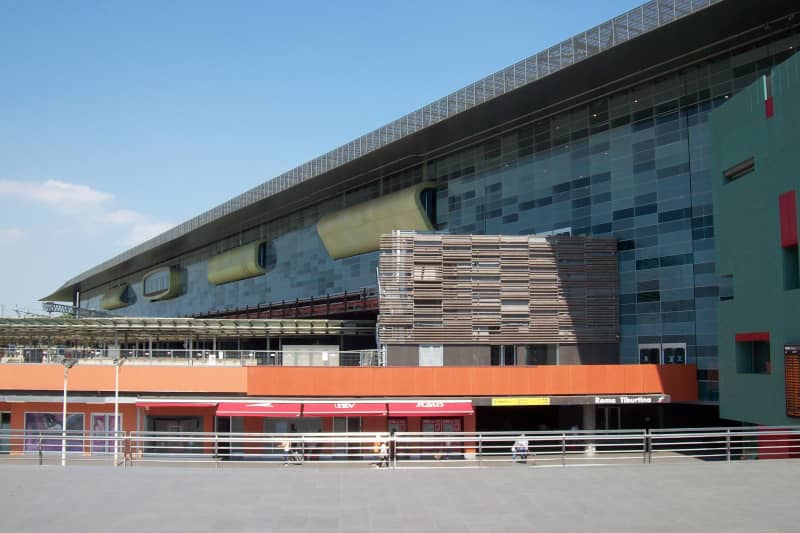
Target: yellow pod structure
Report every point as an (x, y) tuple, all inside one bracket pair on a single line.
[(357, 230), (162, 284), (239, 263), (116, 298)]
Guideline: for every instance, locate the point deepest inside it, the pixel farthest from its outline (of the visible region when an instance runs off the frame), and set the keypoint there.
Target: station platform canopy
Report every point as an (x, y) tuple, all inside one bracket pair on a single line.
[(14, 330)]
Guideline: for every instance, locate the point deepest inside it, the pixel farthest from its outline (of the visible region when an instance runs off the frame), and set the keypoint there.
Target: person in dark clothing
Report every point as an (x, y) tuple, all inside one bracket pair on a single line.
[(392, 448)]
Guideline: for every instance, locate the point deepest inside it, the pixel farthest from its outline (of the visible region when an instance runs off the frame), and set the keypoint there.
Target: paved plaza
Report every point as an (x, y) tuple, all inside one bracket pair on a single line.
[(743, 496)]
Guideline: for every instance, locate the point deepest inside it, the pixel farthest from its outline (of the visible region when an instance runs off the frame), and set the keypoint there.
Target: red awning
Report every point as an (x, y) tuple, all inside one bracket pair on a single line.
[(147, 404), (263, 409), (344, 409), (430, 407)]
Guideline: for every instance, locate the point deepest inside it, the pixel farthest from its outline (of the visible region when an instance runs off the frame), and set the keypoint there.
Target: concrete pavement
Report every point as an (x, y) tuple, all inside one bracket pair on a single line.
[(742, 496)]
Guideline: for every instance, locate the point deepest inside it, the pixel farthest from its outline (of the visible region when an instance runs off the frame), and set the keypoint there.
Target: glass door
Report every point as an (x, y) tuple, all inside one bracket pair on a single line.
[(223, 425), (349, 424), (102, 432), (5, 429), (443, 449), (608, 417), (189, 424)]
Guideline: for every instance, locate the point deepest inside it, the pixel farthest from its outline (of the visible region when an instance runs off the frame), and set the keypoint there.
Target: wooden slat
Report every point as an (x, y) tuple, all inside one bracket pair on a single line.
[(497, 289)]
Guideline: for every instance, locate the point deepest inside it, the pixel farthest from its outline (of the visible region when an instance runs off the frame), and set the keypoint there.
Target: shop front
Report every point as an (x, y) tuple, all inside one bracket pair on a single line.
[(172, 426)]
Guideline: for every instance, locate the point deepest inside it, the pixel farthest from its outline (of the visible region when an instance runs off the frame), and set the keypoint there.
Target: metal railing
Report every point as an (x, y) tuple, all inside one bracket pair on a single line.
[(406, 449), (77, 312), (46, 446), (144, 356)]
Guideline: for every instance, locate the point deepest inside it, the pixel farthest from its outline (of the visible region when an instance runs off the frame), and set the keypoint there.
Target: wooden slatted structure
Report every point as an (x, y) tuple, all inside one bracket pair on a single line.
[(497, 289), (792, 380)]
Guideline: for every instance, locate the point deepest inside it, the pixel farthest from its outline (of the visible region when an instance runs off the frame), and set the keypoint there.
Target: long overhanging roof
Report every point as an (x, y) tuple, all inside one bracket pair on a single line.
[(586, 65), (56, 330)]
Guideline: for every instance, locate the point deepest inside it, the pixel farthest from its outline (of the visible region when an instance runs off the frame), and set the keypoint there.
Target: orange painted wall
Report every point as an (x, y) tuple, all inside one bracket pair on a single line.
[(679, 381), (131, 378), (18, 411)]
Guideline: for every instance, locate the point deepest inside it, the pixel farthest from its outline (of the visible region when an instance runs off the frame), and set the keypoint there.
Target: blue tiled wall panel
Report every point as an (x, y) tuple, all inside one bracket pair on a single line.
[(635, 165)]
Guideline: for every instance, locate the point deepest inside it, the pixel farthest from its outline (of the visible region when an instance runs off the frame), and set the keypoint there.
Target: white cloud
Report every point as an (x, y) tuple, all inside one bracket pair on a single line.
[(92, 210), (59, 194), (9, 235)]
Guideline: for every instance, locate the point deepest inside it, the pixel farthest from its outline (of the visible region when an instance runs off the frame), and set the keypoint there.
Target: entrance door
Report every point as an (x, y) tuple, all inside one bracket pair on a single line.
[(5, 429), (187, 424), (224, 444), (103, 428), (349, 424), (443, 449), (608, 417)]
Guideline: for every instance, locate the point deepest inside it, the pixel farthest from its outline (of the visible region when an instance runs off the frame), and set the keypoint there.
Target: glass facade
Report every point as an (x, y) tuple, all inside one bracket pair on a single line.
[(634, 165)]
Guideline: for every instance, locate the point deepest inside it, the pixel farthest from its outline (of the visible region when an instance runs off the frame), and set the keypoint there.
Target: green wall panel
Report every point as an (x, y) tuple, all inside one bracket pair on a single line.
[(747, 222)]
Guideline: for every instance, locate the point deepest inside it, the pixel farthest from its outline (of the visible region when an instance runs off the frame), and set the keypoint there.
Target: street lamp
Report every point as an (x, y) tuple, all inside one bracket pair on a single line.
[(68, 363), (117, 363)]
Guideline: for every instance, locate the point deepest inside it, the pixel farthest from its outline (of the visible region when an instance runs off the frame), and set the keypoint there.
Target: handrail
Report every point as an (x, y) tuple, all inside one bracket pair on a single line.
[(407, 449), (196, 356)]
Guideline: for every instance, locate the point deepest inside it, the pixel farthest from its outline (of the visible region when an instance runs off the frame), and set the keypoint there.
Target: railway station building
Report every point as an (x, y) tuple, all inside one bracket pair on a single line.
[(540, 249)]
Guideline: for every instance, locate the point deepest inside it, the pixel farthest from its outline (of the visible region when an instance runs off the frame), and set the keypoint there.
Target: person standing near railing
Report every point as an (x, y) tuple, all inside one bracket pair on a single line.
[(286, 446), (383, 455), (380, 452), (519, 451), (392, 448)]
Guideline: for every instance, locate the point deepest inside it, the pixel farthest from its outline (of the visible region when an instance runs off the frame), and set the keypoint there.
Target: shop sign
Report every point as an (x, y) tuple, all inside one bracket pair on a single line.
[(628, 400), (510, 402)]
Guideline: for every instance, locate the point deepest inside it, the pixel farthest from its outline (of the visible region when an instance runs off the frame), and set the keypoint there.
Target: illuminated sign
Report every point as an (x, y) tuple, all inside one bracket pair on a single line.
[(509, 402)]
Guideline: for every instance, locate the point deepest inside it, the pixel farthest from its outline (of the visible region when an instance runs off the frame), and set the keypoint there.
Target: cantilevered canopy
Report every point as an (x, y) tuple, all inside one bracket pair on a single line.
[(644, 42), (14, 329)]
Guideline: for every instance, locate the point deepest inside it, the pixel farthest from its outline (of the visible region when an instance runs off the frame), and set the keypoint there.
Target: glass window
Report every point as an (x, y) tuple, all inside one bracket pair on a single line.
[(753, 357), (504, 355), (674, 354), (428, 199), (541, 354), (156, 282), (649, 354), (791, 268), (431, 355)]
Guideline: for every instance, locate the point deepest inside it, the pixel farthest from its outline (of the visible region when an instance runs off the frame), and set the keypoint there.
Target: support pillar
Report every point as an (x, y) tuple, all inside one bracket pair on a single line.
[(589, 423)]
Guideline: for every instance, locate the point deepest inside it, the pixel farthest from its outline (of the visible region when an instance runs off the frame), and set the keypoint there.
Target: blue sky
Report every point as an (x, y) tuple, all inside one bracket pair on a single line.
[(119, 119)]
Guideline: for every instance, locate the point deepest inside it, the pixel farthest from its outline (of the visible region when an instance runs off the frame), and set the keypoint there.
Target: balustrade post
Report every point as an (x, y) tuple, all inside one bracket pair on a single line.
[(728, 445), (563, 449)]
